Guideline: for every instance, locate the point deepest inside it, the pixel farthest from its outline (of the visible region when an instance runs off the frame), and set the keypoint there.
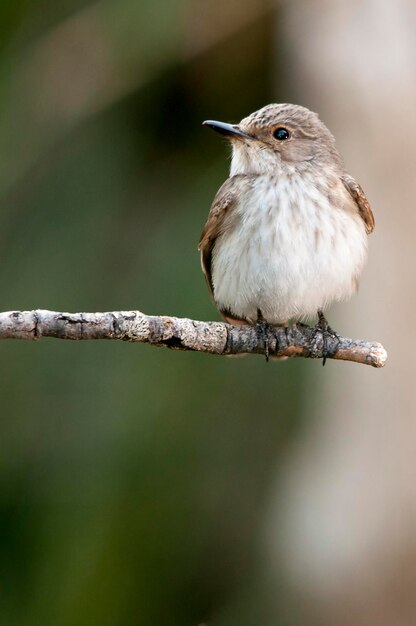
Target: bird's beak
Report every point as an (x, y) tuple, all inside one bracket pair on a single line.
[(229, 130)]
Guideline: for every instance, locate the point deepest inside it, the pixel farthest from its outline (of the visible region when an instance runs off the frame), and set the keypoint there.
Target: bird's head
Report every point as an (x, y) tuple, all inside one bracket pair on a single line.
[(279, 138)]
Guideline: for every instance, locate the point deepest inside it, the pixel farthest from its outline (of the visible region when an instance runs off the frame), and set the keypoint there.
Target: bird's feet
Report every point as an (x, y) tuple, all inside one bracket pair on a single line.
[(263, 333), (327, 333)]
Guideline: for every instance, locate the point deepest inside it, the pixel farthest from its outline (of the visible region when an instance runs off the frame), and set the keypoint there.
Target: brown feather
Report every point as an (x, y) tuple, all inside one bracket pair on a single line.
[(220, 218), (361, 201)]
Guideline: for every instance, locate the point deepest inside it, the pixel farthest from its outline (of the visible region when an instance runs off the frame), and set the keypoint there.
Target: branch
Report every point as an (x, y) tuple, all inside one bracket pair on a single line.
[(184, 334)]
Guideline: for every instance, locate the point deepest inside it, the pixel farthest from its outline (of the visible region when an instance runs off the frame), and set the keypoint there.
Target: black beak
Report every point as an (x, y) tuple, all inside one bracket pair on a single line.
[(229, 130)]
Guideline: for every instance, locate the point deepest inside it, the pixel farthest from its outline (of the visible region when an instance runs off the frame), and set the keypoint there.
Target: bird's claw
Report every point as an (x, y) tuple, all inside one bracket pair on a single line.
[(327, 332), (263, 333)]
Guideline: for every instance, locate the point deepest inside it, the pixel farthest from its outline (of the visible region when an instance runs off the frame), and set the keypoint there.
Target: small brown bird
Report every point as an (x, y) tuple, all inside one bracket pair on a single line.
[(287, 232)]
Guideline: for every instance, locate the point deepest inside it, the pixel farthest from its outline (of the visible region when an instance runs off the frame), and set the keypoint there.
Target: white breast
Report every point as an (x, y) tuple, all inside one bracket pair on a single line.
[(290, 254)]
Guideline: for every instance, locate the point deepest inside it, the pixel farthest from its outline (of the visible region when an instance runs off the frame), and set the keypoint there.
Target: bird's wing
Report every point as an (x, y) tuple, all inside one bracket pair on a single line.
[(219, 220), (361, 201)]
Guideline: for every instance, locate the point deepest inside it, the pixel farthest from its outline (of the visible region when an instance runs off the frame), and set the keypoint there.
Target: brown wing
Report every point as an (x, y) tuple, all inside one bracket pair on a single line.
[(360, 198), (218, 221)]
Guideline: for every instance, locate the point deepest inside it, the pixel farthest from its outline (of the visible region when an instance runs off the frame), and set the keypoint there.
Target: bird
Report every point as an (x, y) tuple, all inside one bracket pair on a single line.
[(286, 235)]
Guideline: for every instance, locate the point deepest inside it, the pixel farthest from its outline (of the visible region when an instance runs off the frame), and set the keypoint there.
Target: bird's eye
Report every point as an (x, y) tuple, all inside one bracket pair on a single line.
[(281, 134)]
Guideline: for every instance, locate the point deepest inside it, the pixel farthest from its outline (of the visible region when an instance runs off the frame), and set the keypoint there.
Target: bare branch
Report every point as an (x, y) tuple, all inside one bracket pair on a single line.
[(184, 334)]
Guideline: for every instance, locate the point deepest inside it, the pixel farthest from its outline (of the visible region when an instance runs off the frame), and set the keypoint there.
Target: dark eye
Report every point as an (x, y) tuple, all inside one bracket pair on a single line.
[(281, 134)]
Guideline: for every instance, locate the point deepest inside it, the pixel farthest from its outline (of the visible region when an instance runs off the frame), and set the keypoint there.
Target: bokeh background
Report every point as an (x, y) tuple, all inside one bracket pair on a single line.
[(148, 487)]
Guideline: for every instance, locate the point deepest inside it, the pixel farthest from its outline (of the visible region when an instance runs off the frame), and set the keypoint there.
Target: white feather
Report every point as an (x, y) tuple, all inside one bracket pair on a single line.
[(291, 253)]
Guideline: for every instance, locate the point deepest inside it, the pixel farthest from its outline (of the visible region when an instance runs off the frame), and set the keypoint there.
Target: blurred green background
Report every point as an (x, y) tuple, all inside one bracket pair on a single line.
[(151, 487), (132, 479)]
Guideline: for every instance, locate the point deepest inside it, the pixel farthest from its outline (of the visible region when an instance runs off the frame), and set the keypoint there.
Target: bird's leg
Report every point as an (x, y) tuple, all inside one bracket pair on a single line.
[(298, 324), (263, 332), (323, 327)]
